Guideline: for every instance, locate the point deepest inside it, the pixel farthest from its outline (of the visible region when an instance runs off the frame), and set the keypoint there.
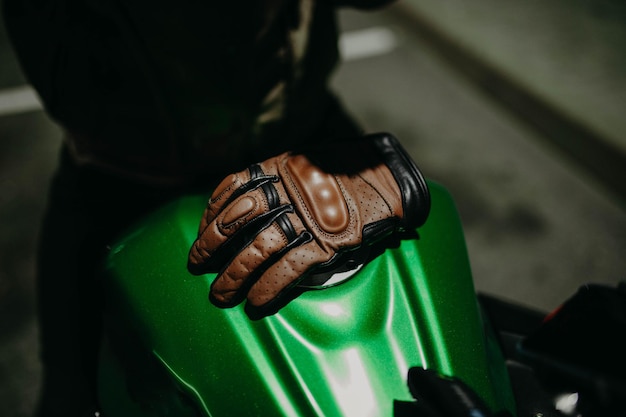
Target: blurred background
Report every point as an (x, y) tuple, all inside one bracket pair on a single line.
[(518, 108)]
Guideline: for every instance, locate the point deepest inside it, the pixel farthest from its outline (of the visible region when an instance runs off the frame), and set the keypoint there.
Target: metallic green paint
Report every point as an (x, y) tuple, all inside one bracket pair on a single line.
[(340, 351)]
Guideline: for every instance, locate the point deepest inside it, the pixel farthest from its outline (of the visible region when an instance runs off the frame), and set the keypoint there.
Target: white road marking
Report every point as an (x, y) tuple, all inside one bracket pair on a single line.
[(18, 100), (366, 43)]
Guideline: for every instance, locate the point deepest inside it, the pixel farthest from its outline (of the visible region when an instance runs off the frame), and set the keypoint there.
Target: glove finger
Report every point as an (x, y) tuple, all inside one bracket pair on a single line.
[(247, 265), (232, 230), (244, 204), (273, 287), (200, 250), (221, 195)]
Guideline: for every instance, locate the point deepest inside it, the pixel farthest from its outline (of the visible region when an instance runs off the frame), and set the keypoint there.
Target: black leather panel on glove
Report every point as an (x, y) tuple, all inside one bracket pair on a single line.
[(266, 228)]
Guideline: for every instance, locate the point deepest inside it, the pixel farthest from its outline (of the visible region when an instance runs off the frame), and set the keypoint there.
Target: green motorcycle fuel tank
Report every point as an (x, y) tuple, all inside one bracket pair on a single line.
[(339, 350)]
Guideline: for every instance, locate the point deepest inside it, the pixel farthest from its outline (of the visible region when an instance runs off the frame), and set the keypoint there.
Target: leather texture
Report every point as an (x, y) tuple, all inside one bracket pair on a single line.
[(268, 227)]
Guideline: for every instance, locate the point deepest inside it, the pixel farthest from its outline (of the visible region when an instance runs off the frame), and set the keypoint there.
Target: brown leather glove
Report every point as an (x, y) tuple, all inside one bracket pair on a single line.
[(267, 228)]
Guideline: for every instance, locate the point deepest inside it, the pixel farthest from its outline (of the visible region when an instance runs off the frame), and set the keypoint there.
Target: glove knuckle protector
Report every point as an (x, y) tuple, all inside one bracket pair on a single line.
[(265, 229)]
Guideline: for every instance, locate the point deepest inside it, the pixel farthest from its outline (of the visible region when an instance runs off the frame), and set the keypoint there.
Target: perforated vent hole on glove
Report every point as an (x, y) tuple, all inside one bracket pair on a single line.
[(376, 210), (303, 257)]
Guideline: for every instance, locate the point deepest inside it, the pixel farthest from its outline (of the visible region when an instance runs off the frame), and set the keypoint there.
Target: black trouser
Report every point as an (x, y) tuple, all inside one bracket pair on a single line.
[(86, 210)]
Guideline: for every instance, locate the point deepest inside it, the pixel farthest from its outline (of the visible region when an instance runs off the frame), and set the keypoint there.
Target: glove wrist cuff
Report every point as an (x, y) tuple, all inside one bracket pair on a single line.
[(413, 187)]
